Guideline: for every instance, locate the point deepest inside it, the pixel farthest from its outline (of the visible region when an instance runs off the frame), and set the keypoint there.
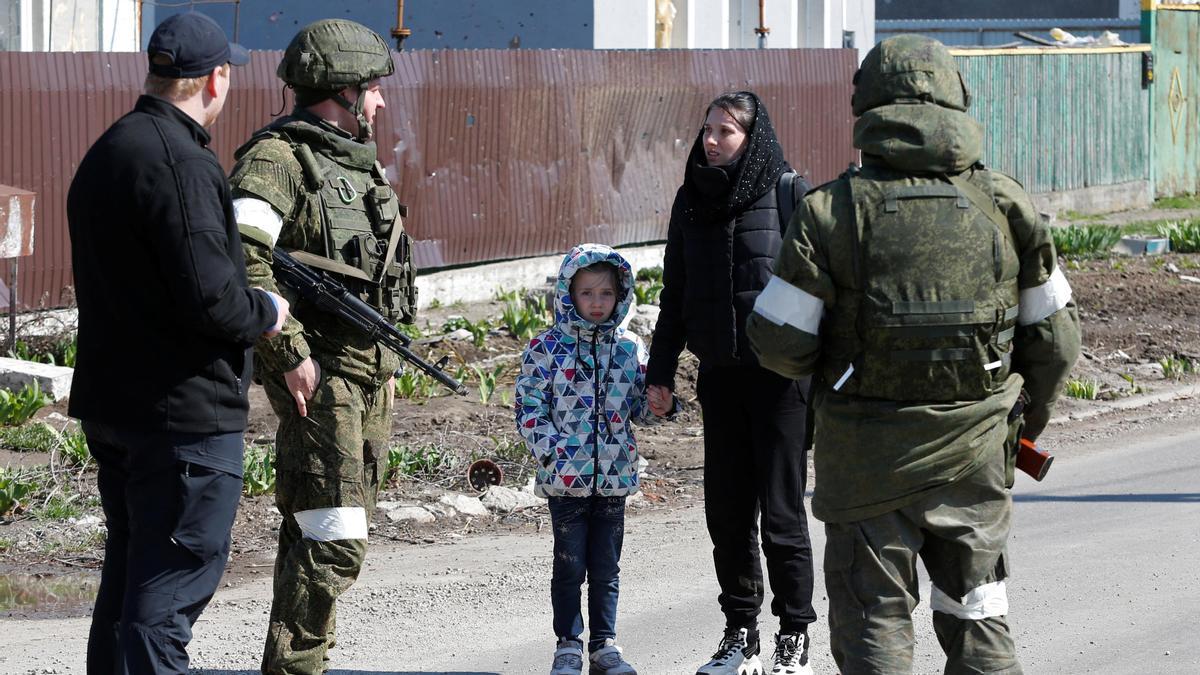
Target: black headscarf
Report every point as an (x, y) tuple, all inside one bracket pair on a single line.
[(722, 191)]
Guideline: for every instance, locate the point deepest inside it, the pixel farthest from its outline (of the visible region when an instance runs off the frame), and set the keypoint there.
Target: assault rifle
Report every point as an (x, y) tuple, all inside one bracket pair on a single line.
[(330, 295)]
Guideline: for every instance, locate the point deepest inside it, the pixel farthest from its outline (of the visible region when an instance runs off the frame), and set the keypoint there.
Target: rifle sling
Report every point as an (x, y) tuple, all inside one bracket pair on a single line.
[(322, 263)]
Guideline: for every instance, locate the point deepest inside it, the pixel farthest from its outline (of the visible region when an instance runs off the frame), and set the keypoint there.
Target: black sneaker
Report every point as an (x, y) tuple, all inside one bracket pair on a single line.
[(736, 655)]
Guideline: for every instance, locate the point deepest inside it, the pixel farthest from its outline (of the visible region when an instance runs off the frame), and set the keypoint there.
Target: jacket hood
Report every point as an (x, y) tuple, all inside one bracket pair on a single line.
[(566, 318), (909, 67), (919, 137), (730, 189), (911, 102)]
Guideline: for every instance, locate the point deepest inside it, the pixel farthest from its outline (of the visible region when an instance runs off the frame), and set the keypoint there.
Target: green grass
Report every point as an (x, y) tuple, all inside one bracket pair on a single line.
[(16, 487), (59, 351), (478, 329), (527, 318), (1087, 390), (29, 437), (17, 407), (426, 461), (647, 292), (1184, 235), (1178, 202), (73, 448), (258, 470), (1076, 216), (1176, 367), (650, 273), (1085, 240), (488, 379), (59, 507), (414, 385)]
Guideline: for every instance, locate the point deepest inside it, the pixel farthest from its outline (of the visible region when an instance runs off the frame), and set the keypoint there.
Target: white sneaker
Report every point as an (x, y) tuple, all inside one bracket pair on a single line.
[(608, 661), (568, 658), (734, 656), (791, 655)]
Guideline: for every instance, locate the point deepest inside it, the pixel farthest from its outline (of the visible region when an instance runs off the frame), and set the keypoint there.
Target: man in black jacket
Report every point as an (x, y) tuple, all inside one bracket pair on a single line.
[(166, 323)]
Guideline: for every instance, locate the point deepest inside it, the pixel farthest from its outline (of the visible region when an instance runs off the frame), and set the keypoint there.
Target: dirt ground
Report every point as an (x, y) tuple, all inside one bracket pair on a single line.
[(1135, 312)]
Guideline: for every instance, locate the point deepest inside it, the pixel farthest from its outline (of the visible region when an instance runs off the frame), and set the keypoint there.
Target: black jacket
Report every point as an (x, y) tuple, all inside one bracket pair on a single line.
[(166, 319), (724, 234)]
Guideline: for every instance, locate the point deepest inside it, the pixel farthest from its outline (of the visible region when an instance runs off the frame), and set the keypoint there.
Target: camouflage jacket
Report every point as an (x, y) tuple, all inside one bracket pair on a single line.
[(874, 455), (269, 169)]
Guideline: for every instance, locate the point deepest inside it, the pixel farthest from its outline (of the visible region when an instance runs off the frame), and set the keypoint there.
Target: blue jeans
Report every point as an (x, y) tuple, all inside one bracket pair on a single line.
[(588, 532)]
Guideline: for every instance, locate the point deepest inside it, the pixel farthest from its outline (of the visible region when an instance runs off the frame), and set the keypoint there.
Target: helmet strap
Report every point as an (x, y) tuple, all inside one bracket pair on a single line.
[(356, 109)]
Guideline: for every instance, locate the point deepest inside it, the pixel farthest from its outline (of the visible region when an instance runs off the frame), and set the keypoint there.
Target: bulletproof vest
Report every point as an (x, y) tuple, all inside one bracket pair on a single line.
[(364, 238), (934, 308)]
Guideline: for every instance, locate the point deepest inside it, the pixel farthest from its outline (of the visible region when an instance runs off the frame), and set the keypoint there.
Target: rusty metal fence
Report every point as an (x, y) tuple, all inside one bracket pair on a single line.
[(499, 154)]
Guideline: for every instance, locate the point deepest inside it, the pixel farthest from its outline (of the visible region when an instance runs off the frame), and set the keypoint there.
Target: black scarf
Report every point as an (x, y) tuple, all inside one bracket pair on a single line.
[(718, 192)]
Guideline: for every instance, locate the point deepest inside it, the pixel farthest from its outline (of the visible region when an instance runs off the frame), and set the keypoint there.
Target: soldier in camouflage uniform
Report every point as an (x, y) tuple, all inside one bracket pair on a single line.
[(310, 182), (922, 292)]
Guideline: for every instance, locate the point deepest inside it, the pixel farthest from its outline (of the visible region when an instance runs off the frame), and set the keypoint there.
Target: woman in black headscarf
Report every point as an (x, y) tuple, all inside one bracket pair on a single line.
[(724, 235)]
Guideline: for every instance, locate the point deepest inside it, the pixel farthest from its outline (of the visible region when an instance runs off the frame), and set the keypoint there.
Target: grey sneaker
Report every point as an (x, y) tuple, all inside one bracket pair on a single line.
[(734, 656), (568, 658), (608, 661), (791, 655)]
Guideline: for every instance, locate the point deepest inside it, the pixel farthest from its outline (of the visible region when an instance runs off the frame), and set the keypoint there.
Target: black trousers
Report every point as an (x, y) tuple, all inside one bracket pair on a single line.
[(169, 527), (755, 473)]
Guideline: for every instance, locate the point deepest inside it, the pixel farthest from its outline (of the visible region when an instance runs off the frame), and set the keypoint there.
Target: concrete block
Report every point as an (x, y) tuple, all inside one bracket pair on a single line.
[(53, 380)]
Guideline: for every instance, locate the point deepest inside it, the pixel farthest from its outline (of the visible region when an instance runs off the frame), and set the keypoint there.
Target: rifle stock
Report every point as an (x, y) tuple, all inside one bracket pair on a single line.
[(330, 295)]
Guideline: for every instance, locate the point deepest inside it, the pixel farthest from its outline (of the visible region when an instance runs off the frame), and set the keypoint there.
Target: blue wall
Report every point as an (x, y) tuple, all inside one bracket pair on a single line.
[(435, 24)]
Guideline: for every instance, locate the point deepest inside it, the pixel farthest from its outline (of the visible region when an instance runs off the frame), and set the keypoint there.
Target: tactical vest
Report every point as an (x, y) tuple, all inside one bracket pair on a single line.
[(934, 308), (364, 240)]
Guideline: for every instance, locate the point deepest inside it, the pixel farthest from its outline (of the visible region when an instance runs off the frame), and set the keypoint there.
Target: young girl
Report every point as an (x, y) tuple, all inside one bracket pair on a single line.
[(582, 381)]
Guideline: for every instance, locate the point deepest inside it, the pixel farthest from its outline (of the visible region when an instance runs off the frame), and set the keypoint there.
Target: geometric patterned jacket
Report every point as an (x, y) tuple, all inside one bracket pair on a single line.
[(581, 384)]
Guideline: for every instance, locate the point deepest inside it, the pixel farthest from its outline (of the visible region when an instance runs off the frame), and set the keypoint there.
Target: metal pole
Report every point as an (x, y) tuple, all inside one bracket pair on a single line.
[(237, 18), (400, 32), (12, 306), (762, 31)]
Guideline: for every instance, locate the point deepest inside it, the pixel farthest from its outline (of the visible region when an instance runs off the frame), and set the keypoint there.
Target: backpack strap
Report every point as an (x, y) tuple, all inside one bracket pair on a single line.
[(790, 189)]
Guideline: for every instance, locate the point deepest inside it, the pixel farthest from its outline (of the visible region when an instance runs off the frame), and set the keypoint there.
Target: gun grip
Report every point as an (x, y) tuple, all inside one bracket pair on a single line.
[(1033, 460)]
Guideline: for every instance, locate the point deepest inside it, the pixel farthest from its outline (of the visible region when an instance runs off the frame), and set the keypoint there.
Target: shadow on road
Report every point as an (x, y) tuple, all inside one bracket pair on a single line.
[(355, 672), (1164, 497)]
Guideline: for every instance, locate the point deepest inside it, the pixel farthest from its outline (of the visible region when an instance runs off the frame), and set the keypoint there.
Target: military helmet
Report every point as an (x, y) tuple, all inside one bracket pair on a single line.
[(909, 67), (332, 54)]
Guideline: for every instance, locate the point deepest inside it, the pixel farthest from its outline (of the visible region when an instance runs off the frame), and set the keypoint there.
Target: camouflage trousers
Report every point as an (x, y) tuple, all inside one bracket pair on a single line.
[(327, 481), (960, 532)]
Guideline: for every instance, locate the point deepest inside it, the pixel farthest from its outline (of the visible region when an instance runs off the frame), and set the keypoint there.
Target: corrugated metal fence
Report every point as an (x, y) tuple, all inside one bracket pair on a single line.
[(1061, 119), (499, 154)]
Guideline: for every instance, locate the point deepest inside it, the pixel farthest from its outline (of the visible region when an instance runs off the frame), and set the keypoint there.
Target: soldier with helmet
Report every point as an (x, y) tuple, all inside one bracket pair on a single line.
[(310, 182), (922, 292)]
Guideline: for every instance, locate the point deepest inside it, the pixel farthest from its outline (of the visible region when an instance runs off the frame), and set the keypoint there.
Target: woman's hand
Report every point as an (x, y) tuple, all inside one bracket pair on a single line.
[(660, 399)]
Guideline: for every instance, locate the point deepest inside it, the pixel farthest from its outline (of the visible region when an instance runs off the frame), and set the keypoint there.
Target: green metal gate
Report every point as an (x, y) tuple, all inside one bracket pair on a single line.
[(1175, 145)]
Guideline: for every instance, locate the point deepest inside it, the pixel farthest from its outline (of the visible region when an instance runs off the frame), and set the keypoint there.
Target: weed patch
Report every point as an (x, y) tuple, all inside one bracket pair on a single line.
[(1184, 235), (1087, 390), (1083, 240), (1176, 367), (426, 461), (258, 470), (17, 407)]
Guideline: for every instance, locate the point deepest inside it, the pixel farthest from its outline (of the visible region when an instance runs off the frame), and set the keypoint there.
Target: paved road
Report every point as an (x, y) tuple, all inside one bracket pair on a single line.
[(1105, 558)]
